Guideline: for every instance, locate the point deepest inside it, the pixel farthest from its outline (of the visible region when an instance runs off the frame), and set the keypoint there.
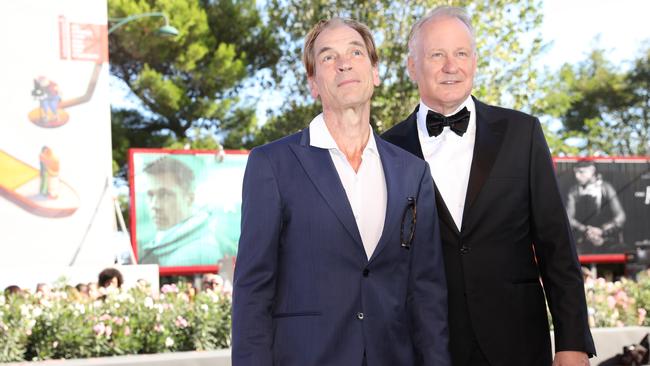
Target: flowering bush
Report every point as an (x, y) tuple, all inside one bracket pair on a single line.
[(620, 303), (64, 325)]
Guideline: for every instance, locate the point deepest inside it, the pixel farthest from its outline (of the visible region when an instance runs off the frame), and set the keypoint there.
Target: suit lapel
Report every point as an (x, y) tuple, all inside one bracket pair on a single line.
[(318, 165), (395, 197), (408, 138), (489, 136)]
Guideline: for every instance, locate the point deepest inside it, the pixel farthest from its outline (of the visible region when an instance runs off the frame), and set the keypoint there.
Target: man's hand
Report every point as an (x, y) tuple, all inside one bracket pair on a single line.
[(595, 235), (571, 358)]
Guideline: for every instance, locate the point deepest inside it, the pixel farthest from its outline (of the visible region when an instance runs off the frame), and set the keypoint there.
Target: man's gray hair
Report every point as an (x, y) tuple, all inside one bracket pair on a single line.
[(444, 11)]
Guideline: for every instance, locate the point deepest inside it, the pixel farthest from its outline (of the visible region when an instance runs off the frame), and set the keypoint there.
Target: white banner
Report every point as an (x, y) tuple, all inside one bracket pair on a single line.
[(56, 203)]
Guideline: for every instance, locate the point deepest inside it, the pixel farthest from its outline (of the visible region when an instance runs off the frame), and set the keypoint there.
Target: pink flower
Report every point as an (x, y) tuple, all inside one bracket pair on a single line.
[(181, 322), (127, 331), (611, 302), (108, 331), (169, 288), (99, 328), (621, 297)]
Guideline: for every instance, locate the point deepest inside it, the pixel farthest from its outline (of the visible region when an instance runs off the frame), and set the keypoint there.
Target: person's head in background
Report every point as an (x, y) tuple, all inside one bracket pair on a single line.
[(110, 277), (170, 191), (12, 290), (83, 289), (43, 289), (212, 281), (585, 172)]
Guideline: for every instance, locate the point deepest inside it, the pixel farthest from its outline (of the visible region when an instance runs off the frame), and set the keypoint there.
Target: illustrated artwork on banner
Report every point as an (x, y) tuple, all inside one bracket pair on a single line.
[(56, 184), (40, 190), (85, 42)]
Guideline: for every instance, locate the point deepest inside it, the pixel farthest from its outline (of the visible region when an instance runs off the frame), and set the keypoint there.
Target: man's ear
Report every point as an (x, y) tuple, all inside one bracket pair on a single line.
[(375, 76), (313, 88), (190, 198), (410, 67)]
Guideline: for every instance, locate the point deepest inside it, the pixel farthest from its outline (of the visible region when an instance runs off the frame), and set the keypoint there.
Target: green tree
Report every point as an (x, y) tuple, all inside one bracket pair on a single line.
[(188, 85), (601, 107), (507, 41)]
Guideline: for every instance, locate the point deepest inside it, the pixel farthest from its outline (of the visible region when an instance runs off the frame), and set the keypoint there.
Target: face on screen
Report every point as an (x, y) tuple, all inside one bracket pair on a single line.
[(168, 201), (585, 174)]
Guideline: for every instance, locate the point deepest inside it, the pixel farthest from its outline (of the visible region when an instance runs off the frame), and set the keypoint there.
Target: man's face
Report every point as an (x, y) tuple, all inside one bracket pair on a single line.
[(585, 174), (443, 63), (343, 74), (169, 203)]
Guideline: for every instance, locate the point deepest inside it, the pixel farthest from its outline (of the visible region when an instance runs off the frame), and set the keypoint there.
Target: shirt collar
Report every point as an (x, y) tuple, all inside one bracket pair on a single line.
[(319, 136), (424, 109)]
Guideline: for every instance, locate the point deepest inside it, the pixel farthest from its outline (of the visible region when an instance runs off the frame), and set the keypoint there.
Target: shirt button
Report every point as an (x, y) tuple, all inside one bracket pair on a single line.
[(464, 249), (366, 271), (360, 315)]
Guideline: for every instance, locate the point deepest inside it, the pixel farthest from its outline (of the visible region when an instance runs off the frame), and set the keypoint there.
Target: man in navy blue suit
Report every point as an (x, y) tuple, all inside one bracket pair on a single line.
[(339, 259)]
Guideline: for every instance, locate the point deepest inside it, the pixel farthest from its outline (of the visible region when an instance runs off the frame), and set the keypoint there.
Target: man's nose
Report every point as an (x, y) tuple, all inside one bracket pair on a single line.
[(343, 63), (450, 65), (154, 202)]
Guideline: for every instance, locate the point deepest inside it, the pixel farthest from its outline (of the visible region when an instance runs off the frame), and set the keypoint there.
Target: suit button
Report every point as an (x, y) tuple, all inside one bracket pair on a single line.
[(464, 249), (366, 271), (360, 315)]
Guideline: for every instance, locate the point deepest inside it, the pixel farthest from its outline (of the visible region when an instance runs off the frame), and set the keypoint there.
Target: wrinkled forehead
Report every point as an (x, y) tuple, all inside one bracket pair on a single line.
[(337, 35)]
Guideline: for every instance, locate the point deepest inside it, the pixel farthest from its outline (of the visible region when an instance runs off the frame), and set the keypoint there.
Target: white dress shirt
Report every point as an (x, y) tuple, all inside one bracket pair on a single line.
[(365, 189), (450, 158)]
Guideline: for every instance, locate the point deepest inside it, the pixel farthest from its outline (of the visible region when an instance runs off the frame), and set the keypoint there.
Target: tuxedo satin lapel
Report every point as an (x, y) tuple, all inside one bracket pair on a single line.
[(489, 136), (318, 165), (408, 138), (396, 198)]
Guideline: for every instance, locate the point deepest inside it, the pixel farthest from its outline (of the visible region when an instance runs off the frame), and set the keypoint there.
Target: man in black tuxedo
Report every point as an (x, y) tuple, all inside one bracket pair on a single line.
[(502, 220)]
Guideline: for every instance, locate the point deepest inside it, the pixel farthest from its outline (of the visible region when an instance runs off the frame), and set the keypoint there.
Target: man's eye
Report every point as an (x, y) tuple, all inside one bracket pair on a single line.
[(327, 58), (436, 55), (357, 52)]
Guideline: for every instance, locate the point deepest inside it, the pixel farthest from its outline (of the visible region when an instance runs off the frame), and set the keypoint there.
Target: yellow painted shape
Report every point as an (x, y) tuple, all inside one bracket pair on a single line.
[(13, 172)]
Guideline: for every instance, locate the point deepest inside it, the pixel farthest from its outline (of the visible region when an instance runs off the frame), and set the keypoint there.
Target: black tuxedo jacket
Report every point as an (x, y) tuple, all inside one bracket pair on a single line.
[(514, 231)]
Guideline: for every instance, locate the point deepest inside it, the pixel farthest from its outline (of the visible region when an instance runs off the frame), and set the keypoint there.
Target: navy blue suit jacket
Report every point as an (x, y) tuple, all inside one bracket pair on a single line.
[(304, 291)]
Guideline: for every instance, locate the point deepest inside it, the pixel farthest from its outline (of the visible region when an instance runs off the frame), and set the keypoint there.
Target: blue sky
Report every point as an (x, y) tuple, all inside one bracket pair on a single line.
[(571, 26)]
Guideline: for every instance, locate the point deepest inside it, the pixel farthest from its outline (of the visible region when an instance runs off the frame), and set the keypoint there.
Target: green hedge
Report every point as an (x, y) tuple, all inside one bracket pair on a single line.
[(64, 325)]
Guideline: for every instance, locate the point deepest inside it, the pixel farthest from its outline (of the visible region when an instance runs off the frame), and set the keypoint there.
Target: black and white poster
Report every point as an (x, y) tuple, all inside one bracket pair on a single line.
[(607, 201)]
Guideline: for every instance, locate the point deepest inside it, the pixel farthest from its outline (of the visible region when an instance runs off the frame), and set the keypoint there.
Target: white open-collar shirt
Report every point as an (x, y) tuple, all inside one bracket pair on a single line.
[(365, 189)]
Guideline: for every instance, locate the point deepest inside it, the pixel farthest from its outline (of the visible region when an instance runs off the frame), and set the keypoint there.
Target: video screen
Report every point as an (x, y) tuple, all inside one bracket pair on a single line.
[(187, 206), (608, 203)]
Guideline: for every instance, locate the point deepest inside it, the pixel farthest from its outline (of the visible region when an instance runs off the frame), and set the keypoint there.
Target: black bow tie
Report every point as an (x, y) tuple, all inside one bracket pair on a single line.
[(457, 122)]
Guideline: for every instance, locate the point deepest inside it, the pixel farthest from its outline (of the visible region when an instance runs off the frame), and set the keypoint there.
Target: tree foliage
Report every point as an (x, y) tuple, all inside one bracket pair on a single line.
[(602, 107), (188, 85), (507, 43)]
